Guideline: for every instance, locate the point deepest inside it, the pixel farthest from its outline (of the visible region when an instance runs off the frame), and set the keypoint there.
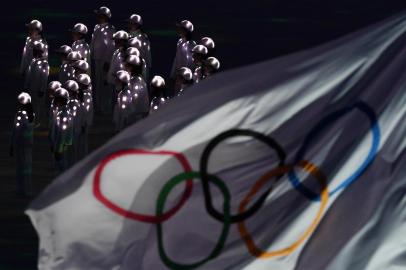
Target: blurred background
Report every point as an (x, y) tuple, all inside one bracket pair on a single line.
[(245, 32)]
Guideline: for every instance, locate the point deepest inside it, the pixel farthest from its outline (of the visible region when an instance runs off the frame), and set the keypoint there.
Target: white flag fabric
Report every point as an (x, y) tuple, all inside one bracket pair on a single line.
[(294, 163)]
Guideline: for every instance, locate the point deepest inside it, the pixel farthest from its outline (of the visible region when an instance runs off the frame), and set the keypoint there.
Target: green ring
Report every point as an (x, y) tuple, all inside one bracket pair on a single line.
[(160, 208)]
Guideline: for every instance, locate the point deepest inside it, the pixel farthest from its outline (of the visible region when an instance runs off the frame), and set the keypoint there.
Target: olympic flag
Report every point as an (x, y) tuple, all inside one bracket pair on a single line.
[(294, 163)]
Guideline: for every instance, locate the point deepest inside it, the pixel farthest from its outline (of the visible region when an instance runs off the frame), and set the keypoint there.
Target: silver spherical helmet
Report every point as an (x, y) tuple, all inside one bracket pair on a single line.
[(84, 79), (123, 35), (39, 46), (74, 56), (123, 76), (24, 98), (185, 73), (187, 25), (208, 43), (34, 24), (82, 65), (54, 85), (134, 42), (62, 93), (132, 51), (200, 49), (79, 28), (135, 19), (158, 82), (103, 11), (134, 60), (64, 49), (71, 86), (213, 62)]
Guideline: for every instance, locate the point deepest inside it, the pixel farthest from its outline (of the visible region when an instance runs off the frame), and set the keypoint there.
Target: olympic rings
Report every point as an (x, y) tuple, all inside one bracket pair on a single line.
[(245, 235), (204, 175), (363, 107), (226, 217), (226, 222), (133, 215)]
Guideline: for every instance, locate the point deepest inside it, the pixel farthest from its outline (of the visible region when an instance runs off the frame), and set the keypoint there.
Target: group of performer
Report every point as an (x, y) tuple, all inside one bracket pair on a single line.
[(109, 76)]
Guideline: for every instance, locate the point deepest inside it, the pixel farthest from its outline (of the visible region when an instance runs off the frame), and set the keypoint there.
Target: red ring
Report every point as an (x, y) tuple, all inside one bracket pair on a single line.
[(132, 215)]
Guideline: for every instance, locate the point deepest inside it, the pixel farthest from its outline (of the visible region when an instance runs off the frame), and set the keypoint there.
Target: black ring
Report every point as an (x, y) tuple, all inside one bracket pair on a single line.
[(205, 177)]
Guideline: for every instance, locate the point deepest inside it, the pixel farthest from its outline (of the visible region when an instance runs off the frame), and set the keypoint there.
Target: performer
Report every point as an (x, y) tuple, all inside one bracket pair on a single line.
[(134, 46), (210, 66), (118, 58), (36, 80), (183, 57), (102, 48), (199, 55), (22, 142), (158, 91), (210, 45), (79, 32), (85, 96), (135, 24), (81, 67), (64, 69), (53, 110), (34, 34), (123, 109), (138, 88), (63, 130), (184, 79), (78, 119)]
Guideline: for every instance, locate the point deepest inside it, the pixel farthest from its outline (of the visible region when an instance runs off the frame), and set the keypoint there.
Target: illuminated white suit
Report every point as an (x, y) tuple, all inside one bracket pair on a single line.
[(83, 48), (28, 55), (123, 109), (145, 49), (22, 141), (87, 104), (53, 111), (86, 109), (116, 64), (198, 74), (36, 82), (184, 55), (66, 72), (102, 49), (63, 130), (140, 98), (157, 103), (78, 125)]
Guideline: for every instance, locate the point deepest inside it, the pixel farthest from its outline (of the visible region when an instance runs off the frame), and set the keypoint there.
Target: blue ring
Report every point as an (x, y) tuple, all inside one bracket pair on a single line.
[(376, 137)]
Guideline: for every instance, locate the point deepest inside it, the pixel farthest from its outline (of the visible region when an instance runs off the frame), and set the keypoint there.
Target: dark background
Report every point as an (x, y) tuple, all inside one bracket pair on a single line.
[(245, 32)]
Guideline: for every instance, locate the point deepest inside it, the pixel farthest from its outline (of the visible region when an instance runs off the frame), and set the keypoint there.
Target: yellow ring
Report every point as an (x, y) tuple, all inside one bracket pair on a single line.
[(245, 235)]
